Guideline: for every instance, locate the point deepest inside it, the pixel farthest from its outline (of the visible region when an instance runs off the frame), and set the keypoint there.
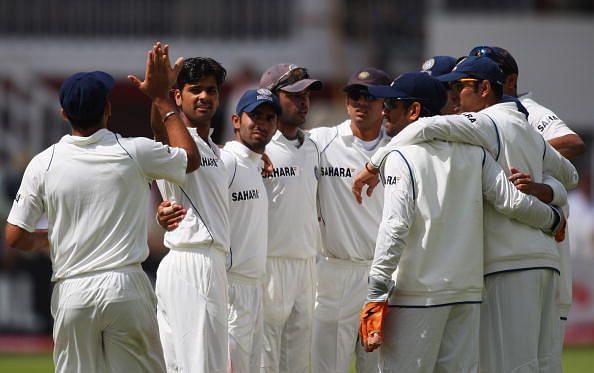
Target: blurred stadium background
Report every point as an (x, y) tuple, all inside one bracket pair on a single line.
[(44, 41)]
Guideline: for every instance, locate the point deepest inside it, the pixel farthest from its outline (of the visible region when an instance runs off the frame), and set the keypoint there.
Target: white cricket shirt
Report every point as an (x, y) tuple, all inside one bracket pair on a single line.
[(248, 211), (348, 229), (545, 121), (95, 192), (293, 230), (205, 195), (432, 223)]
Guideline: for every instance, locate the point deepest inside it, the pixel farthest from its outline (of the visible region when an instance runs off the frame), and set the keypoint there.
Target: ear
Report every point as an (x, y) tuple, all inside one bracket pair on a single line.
[(177, 96), (510, 85), (236, 121), (414, 111), (107, 109), (64, 116), (485, 88)]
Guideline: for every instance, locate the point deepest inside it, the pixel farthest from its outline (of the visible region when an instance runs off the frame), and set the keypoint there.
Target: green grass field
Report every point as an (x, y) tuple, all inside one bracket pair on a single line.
[(575, 360)]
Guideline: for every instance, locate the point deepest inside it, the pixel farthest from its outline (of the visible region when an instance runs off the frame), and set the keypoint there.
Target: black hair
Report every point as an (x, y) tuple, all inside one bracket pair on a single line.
[(84, 124), (196, 68), (497, 90)]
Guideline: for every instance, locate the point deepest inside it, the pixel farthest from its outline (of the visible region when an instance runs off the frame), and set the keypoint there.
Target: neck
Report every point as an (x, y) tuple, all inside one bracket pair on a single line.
[(259, 150), (86, 132), (290, 132), (203, 129), (366, 134)]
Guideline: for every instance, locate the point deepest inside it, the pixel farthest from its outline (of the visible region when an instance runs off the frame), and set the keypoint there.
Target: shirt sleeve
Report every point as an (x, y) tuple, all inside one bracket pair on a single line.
[(470, 128), (159, 161), (28, 206), (230, 164), (550, 126), (557, 166), (559, 191), (508, 200), (397, 217)]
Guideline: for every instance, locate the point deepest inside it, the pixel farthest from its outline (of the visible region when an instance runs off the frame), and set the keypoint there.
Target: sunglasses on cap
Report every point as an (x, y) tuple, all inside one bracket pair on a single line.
[(356, 94), (292, 76)]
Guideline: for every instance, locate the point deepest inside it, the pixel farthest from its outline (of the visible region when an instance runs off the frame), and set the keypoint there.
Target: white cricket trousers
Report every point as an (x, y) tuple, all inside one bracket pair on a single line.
[(340, 295), (106, 322), (245, 323), (431, 339), (288, 314), (520, 322), (192, 310)]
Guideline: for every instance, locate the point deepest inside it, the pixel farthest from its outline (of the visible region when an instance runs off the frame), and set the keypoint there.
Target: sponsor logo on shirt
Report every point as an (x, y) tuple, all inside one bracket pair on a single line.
[(392, 180), (545, 122), (18, 198), (208, 162), (245, 195), (336, 171), (284, 171)]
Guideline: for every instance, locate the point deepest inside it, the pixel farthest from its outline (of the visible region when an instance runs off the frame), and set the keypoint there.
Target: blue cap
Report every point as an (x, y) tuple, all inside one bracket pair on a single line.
[(83, 95), (417, 86), (252, 98), (502, 57), (481, 67), (438, 65), (367, 76)]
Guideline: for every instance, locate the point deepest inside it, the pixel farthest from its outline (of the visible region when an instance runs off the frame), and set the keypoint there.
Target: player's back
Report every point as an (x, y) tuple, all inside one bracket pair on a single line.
[(509, 244), (443, 259)]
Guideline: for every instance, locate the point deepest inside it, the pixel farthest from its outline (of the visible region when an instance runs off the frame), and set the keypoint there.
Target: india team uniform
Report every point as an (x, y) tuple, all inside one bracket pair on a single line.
[(293, 241), (511, 335), (191, 279), (432, 230), (95, 191), (248, 215), (548, 124), (349, 231)]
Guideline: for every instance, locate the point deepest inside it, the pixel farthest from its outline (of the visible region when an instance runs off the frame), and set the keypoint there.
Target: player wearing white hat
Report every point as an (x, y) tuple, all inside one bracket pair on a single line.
[(348, 230), (191, 279), (293, 232), (94, 187), (556, 132), (509, 338), (432, 230)]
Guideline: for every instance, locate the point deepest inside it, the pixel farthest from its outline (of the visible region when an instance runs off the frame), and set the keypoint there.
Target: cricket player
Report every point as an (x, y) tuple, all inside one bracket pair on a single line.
[(348, 230), (191, 283), (564, 140), (94, 186), (437, 66), (432, 231), (509, 338), (293, 231)]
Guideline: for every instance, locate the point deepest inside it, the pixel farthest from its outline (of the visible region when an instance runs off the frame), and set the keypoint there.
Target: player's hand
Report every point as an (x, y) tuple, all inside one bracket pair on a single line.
[(558, 230), (524, 183), (364, 177), (159, 75), (371, 322), (170, 215), (268, 168)]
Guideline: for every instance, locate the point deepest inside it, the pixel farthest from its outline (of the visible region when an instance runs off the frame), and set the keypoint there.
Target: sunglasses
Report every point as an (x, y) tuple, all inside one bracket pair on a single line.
[(460, 84), (391, 103), (292, 76), (355, 95)]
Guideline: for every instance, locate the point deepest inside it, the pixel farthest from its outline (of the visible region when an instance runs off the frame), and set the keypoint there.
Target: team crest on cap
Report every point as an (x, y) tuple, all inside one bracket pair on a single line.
[(363, 75), (427, 65), (264, 92)]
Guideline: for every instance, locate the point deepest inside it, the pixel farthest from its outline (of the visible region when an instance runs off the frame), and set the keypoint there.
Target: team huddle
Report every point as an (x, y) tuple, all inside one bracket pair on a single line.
[(425, 233)]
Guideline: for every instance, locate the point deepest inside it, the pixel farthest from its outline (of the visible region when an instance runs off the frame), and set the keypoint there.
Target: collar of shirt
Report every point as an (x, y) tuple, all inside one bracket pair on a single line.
[(243, 151), (214, 147), (78, 140), (280, 138), (346, 133)]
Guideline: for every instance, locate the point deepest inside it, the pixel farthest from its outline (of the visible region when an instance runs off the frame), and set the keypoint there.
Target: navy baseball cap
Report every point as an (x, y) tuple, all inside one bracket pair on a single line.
[(83, 95), (252, 98), (438, 65), (502, 57), (289, 78), (366, 77), (481, 67), (417, 86)]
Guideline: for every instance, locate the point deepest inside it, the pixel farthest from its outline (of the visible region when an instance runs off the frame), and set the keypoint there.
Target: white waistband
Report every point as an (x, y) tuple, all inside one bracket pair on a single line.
[(136, 267), (346, 262), (236, 277)]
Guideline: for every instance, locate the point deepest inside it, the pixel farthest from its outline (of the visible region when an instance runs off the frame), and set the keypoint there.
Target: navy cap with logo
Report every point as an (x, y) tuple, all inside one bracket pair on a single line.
[(83, 95), (417, 86), (253, 98), (438, 65), (502, 57), (481, 67), (366, 77), (289, 78)]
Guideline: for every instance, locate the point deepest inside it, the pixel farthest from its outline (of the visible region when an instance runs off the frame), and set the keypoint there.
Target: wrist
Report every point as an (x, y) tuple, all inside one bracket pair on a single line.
[(163, 105), (370, 168)]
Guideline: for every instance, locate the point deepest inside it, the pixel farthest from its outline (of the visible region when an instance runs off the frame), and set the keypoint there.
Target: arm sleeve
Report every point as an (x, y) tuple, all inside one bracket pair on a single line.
[(159, 161), (559, 191), (397, 217), (551, 126), (505, 198), (28, 206), (557, 166), (470, 128)]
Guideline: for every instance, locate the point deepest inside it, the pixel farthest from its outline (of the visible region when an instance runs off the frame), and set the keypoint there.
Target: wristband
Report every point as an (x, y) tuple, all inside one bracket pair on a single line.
[(168, 115)]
